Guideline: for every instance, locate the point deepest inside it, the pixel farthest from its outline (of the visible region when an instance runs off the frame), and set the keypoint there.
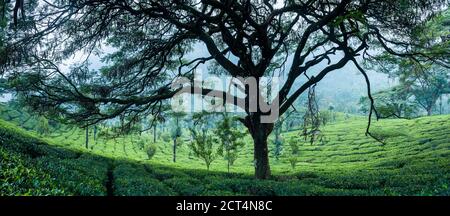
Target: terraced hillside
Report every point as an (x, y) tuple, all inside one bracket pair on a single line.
[(414, 160)]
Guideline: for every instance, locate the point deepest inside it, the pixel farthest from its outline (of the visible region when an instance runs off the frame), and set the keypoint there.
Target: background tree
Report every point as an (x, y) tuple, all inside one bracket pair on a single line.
[(86, 137), (294, 153), (332, 112), (152, 40), (278, 140), (203, 147), (422, 83), (154, 121), (176, 132), (425, 81), (135, 130), (394, 102), (231, 140), (430, 88), (43, 127), (151, 150), (95, 130), (278, 128), (3, 27), (3, 86)]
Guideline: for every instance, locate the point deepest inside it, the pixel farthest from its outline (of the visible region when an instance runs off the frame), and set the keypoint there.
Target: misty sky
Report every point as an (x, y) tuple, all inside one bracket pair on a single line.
[(345, 81)]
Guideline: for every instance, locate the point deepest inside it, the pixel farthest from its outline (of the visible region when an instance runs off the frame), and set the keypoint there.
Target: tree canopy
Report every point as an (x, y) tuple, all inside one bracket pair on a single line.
[(149, 43)]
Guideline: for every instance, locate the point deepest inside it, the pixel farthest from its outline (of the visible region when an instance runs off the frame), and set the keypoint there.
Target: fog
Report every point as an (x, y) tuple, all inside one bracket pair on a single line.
[(340, 87)]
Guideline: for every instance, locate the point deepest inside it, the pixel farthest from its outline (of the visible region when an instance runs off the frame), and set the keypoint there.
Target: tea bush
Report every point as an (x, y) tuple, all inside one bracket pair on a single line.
[(414, 161), (131, 180)]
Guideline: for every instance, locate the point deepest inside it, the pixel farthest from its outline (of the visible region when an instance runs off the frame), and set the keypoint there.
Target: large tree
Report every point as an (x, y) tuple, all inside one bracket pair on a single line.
[(150, 42), (395, 102), (424, 82), (427, 89)]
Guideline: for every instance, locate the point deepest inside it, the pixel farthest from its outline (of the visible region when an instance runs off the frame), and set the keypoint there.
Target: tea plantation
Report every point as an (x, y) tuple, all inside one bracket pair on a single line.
[(414, 159)]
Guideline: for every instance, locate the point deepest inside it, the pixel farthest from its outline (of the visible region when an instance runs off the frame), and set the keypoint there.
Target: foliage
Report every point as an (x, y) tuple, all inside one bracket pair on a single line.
[(394, 102), (3, 84), (151, 150), (43, 127), (294, 154), (132, 180), (278, 128), (278, 142), (20, 177), (166, 137), (414, 162), (326, 116), (203, 147), (31, 167), (176, 132), (231, 140), (155, 49), (141, 143), (185, 186), (421, 82), (313, 119), (433, 85)]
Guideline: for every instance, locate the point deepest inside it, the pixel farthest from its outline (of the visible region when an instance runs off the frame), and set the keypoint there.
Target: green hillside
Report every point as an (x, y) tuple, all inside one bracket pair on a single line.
[(415, 160)]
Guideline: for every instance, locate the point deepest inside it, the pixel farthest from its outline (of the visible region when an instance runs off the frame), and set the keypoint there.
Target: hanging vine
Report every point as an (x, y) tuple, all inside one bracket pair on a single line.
[(312, 120)]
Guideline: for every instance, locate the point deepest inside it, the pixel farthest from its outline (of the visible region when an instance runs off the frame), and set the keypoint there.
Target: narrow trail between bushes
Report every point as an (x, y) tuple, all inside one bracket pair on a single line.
[(147, 168), (110, 180)]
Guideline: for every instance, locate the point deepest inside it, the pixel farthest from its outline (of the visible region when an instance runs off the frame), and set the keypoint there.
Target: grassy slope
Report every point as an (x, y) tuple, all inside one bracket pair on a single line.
[(414, 160)]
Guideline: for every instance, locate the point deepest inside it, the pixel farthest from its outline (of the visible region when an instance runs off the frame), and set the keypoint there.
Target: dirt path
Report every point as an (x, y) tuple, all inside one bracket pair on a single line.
[(110, 180)]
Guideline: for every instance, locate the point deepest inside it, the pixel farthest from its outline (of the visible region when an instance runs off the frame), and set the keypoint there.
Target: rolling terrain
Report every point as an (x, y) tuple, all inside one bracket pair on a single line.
[(414, 160)]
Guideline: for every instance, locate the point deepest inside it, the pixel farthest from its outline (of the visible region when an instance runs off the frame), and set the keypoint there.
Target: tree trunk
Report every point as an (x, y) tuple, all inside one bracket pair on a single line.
[(262, 167), (429, 111), (260, 132), (228, 160), (174, 150), (87, 138), (154, 134), (277, 142), (95, 132)]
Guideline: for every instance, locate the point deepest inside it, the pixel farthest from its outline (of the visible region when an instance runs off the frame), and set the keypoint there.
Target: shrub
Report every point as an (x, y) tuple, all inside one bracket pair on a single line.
[(293, 159), (218, 193), (43, 127), (185, 186), (166, 137), (151, 150), (203, 147), (132, 180), (244, 186), (164, 173), (290, 188), (19, 177), (83, 176), (140, 144)]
